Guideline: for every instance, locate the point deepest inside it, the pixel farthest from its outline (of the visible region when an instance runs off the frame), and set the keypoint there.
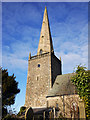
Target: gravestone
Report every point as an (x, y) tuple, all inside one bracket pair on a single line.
[(29, 114)]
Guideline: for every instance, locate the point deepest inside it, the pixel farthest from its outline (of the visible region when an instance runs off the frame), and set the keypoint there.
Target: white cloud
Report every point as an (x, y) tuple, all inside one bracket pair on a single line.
[(72, 51), (15, 56), (14, 63), (71, 43), (69, 33), (74, 56)]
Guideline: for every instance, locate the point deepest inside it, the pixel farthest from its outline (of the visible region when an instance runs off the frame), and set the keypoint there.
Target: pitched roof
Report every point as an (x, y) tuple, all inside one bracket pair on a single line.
[(62, 86)]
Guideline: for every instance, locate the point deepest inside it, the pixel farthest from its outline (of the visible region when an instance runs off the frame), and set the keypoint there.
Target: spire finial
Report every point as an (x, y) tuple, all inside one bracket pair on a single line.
[(45, 8)]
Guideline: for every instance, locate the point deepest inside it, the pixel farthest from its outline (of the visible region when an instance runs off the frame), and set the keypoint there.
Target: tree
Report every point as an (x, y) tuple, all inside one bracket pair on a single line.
[(9, 89), (22, 110), (81, 81)]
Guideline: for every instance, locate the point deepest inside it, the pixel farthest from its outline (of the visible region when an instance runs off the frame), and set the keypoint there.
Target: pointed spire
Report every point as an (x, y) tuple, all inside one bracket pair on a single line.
[(45, 9), (45, 42)]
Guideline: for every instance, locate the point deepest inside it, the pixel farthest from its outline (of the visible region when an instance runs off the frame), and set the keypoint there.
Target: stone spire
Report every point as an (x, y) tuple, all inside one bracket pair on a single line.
[(45, 42)]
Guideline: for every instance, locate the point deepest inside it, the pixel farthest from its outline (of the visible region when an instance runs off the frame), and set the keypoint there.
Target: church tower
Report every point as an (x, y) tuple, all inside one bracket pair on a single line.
[(42, 69)]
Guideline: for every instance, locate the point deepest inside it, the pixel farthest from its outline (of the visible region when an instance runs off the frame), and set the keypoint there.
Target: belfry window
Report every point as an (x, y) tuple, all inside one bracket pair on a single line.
[(40, 51)]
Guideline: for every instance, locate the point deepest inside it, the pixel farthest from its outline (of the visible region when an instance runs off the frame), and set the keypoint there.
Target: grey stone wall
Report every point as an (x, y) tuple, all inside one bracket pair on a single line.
[(42, 71), (38, 80), (55, 67)]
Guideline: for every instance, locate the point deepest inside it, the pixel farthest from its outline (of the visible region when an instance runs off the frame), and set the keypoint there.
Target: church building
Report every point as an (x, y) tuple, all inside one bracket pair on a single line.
[(47, 88)]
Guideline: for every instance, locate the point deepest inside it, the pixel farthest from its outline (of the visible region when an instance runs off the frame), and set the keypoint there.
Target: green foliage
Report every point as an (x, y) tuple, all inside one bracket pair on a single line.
[(61, 116), (81, 81), (7, 117), (22, 109), (9, 88), (4, 111)]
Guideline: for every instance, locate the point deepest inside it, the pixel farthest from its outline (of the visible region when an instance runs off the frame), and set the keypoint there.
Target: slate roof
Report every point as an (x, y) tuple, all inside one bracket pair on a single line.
[(62, 86)]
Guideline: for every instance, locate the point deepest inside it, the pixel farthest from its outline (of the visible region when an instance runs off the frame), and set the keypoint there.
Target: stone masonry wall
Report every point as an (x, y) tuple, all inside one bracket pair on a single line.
[(66, 106), (55, 67), (38, 80)]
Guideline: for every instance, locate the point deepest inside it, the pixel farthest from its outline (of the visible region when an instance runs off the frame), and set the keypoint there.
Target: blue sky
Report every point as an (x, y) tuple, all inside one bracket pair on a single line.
[(21, 26)]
